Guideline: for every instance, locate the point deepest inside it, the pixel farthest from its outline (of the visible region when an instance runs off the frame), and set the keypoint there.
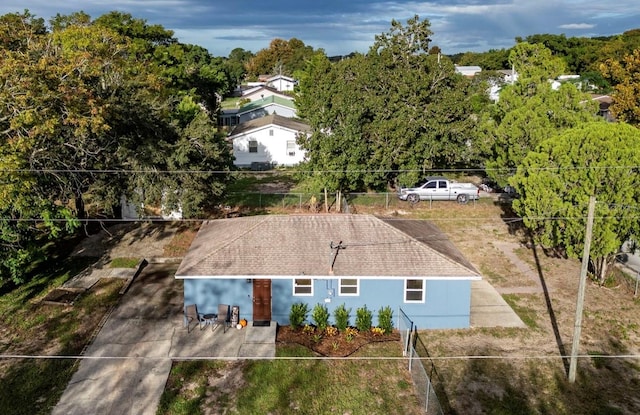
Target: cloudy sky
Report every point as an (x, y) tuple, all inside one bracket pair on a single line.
[(344, 26)]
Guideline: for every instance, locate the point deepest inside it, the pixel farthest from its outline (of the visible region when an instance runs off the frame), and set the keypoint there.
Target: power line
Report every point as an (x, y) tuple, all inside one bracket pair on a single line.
[(444, 170), (355, 358)]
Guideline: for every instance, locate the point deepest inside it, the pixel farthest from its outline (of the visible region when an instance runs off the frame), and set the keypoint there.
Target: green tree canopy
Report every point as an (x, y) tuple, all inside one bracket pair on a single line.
[(387, 115), (556, 180), (84, 102), (281, 57), (530, 110), (625, 75)]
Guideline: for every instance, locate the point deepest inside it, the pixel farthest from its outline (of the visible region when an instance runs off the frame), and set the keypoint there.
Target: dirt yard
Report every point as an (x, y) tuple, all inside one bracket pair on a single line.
[(506, 371), (493, 370)]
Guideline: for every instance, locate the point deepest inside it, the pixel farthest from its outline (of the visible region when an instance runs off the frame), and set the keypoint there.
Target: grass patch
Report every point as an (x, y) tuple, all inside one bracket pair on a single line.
[(493, 276), (287, 386), (124, 262), (34, 386), (329, 386), (527, 315), (186, 387)]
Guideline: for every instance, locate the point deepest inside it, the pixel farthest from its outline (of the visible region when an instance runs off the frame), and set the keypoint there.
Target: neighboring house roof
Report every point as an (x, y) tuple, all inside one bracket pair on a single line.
[(261, 89), (252, 106), (276, 77), (285, 246), (468, 70), (273, 119)]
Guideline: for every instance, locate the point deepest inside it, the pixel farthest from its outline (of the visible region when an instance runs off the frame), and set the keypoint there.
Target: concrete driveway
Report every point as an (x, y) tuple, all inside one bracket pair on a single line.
[(125, 369)]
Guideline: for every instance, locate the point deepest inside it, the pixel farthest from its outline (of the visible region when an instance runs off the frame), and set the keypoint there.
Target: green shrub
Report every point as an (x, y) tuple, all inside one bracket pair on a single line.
[(363, 318), (320, 316), (385, 319), (298, 314), (341, 314)]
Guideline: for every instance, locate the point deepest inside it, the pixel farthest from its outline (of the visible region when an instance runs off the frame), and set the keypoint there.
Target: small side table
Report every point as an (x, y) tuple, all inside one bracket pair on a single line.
[(209, 319)]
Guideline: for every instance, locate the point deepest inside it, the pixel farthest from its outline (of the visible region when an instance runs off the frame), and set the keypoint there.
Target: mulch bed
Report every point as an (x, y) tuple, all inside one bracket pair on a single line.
[(331, 346)]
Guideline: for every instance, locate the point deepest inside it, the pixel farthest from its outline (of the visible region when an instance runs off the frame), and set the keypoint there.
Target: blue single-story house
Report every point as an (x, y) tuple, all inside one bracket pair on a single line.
[(264, 264)]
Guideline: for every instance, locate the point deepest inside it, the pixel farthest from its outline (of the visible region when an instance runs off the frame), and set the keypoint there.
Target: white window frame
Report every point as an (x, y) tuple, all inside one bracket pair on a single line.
[(255, 145), (421, 290), (357, 285), (291, 148), (296, 285)]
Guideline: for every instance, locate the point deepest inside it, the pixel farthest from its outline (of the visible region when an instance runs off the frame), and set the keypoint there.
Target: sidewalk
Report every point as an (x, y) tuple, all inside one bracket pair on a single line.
[(126, 367)]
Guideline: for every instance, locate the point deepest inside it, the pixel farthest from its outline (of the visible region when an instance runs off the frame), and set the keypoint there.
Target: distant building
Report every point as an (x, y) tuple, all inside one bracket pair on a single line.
[(469, 71)]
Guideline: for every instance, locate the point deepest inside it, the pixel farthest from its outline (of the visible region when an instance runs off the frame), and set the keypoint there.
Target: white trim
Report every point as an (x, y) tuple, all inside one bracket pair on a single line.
[(341, 294), (423, 291), (293, 287), (325, 277)]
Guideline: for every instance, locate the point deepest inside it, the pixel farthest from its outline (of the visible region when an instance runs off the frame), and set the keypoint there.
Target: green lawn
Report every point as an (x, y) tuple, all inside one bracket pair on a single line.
[(28, 327), (294, 386)]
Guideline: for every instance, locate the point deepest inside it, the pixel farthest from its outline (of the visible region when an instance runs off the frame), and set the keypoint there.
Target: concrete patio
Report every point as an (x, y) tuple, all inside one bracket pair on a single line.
[(125, 369)]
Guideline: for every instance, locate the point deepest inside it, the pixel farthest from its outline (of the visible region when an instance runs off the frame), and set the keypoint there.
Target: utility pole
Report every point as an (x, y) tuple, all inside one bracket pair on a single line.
[(583, 283)]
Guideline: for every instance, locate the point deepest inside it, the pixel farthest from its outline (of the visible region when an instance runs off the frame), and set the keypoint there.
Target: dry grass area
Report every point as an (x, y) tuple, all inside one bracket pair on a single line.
[(507, 371)]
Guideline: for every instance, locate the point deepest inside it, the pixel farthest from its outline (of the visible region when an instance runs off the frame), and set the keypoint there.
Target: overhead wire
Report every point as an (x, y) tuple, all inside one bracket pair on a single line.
[(347, 358)]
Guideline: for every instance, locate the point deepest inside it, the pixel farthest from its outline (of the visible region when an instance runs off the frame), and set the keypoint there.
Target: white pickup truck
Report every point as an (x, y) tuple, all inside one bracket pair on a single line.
[(440, 188)]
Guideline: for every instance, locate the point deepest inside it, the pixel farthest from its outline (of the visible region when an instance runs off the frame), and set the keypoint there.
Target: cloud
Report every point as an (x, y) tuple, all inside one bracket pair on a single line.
[(577, 26), (341, 27)]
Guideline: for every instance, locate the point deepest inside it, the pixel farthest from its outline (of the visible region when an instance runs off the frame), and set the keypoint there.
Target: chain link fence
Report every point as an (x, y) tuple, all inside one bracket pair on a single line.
[(315, 202), (421, 381)]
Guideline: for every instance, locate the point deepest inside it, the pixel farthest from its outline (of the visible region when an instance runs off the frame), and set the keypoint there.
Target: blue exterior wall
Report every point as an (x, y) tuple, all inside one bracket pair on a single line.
[(447, 303)]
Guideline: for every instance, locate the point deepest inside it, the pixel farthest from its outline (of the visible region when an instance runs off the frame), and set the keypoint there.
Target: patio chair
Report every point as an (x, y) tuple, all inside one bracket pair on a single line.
[(191, 315), (223, 317)]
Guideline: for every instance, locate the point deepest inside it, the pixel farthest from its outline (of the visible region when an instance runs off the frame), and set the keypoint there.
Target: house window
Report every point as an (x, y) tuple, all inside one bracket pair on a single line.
[(253, 146), (291, 148), (414, 291), (271, 132), (348, 286), (302, 286)]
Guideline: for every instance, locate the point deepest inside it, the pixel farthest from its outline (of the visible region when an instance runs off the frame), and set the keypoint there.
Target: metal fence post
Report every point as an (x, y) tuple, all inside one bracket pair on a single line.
[(426, 406), (410, 357)]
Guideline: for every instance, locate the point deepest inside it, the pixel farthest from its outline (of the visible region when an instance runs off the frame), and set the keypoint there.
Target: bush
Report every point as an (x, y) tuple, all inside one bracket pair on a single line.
[(341, 314), (298, 314), (385, 319), (363, 318), (320, 316)]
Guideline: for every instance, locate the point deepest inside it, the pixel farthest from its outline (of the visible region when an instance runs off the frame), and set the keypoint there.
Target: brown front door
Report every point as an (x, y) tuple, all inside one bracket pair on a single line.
[(261, 300)]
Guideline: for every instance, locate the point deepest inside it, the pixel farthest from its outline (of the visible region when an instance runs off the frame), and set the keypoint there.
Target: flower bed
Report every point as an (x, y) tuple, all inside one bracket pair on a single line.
[(330, 342)]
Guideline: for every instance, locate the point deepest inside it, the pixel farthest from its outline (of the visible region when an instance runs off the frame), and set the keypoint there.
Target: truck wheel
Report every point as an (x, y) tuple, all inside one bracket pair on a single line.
[(463, 199), (413, 198)]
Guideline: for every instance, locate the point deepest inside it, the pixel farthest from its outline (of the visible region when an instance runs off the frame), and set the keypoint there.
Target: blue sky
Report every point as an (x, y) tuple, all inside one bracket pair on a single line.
[(344, 26)]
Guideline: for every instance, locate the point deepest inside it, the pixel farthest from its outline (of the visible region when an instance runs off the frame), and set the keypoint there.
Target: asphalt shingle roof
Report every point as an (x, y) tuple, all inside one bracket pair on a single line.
[(282, 246), (273, 119)]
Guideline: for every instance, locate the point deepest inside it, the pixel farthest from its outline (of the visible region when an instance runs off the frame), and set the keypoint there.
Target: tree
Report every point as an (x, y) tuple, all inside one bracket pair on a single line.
[(83, 103), (556, 180), (530, 110), (235, 64), (385, 116), (281, 57), (625, 76)]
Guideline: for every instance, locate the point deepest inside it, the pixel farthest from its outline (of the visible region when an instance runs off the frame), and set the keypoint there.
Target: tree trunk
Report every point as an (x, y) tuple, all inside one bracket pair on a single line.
[(600, 268), (326, 201), (338, 201)]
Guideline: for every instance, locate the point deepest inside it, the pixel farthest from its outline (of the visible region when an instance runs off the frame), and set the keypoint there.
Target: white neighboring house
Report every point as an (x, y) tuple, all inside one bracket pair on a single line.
[(260, 92), (129, 210), (281, 83), (469, 71), (269, 140), (267, 106)]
